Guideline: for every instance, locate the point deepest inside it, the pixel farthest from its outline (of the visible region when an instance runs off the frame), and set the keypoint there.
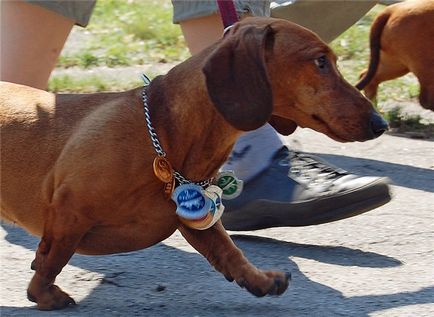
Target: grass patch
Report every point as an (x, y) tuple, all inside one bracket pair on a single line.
[(89, 84), (127, 32), (410, 125)]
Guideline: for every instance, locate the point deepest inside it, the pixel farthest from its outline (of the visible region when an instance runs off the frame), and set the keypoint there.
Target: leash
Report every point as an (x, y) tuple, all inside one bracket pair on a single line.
[(228, 14)]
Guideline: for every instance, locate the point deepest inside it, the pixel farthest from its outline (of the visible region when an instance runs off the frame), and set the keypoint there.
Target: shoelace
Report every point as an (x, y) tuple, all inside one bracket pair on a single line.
[(312, 172)]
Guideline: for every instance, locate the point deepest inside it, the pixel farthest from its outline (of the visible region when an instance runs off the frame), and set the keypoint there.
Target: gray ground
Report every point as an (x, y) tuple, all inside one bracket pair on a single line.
[(376, 264)]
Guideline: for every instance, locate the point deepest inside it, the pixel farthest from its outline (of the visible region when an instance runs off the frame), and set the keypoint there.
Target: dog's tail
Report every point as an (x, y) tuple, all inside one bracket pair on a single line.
[(375, 45)]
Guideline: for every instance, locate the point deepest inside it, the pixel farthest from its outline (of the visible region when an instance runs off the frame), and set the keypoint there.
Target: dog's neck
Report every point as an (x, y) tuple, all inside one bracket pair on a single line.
[(195, 137)]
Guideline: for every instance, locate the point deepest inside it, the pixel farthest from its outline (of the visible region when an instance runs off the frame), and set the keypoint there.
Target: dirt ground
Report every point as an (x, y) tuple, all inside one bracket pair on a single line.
[(376, 264)]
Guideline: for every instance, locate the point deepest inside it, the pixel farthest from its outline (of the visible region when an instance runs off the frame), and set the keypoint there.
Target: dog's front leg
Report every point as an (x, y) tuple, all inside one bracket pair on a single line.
[(218, 248), (62, 233)]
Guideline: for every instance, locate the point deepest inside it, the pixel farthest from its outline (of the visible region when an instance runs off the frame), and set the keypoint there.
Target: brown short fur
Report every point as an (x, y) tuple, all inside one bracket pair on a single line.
[(76, 169)]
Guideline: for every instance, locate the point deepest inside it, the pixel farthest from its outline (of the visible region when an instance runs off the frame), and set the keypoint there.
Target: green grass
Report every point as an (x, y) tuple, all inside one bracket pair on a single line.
[(127, 32), (89, 84), (412, 125)]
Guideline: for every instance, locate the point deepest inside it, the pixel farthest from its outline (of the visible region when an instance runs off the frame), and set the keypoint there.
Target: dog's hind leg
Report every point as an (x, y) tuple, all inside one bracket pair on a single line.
[(424, 74), (389, 68), (218, 248), (62, 233), (426, 96)]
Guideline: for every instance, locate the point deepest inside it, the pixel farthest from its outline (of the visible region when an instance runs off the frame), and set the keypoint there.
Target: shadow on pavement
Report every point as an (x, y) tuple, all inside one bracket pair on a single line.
[(166, 281), (337, 255), (329, 301), (401, 175)]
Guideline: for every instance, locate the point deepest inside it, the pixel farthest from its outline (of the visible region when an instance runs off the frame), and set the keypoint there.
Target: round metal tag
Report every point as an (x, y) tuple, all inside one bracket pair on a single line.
[(217, 208), (214, 213), (190, 201), (162, 169), (215, 194), (200, 224), (230, 184)]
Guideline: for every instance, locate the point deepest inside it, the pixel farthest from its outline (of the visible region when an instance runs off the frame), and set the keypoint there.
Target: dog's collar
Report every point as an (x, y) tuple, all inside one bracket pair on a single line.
[(199, 204), (162, 167)]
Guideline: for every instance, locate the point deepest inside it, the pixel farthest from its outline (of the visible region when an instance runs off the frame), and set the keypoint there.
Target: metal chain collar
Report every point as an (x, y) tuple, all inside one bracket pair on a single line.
[(156, 143)]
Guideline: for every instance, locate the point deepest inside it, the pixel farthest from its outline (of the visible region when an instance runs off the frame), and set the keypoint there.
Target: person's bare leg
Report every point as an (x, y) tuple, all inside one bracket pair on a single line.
[(31, 40), (201, 32)]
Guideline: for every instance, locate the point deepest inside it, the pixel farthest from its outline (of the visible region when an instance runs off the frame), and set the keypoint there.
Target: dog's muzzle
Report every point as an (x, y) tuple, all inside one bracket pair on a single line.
[(378, 124)]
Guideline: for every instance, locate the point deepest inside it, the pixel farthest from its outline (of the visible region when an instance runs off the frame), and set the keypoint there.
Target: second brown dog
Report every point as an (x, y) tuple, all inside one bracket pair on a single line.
[(402, 41)]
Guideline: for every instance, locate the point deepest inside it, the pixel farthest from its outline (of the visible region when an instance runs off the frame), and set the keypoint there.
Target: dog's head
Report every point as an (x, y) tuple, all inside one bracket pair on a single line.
[(271, 70)]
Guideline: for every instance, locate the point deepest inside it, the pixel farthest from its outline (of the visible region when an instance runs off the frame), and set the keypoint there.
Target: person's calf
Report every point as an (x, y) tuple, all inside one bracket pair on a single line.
[(29, 53)]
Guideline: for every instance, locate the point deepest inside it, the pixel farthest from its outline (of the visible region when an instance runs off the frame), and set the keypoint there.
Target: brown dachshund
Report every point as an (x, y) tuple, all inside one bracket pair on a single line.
[(77, 169), (402, 41)]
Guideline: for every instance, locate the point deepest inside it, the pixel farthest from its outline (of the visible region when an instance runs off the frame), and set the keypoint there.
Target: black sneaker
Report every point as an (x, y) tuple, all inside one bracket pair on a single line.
[(302, 190)]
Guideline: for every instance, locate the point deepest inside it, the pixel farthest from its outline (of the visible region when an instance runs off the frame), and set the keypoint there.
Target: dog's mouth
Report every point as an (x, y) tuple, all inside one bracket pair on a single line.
[(327, 130)]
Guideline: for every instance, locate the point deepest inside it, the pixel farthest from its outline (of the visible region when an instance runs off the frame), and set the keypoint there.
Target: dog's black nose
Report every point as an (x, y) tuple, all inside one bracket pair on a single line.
[(378, 124)]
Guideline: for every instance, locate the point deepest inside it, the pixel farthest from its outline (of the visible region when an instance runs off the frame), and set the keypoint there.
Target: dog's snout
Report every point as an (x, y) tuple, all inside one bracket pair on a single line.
[(378, 124)]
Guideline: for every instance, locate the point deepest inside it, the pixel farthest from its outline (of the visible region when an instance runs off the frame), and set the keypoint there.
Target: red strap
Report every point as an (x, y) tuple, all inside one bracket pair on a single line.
[(227, 12)]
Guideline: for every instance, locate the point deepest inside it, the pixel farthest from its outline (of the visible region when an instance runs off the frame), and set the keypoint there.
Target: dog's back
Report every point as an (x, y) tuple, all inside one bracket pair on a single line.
[(21, 150), (35, 126), (409, 33)]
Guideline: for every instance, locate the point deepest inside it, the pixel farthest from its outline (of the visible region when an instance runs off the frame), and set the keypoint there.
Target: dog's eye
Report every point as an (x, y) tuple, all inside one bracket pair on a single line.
[(321, 62)]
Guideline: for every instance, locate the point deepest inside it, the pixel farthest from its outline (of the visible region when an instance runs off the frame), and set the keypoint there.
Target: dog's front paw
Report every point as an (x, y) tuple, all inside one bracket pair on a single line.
[(50, 298), (266, 283)]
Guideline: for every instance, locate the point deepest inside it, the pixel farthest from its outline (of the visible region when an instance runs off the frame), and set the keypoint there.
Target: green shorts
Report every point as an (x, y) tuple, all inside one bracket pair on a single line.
[(77, 10), (188, 9)]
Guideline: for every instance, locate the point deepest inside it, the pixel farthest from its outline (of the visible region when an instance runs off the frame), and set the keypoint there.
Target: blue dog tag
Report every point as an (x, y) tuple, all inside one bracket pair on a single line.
[(190, 201), (213, 194)]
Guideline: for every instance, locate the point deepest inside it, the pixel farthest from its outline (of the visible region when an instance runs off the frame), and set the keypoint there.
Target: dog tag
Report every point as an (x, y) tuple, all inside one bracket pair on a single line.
[(230, 184), (214, 214), (162, 169), (215, 194), (199, 224), (191, 203)]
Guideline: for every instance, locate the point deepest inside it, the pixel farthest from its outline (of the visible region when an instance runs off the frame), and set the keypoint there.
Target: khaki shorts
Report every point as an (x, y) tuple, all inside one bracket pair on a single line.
[(79, 11), (327, 18)]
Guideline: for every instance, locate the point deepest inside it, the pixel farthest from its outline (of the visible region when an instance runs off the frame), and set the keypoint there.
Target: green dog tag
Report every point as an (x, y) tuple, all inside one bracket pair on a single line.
[(230, 184)]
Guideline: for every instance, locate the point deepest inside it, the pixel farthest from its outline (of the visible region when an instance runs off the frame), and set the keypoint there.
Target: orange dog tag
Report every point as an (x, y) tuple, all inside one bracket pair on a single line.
[(163, 170)]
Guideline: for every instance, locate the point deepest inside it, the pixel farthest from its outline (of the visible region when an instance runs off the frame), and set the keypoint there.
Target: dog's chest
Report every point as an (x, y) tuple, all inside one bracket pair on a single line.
[(135, 235)]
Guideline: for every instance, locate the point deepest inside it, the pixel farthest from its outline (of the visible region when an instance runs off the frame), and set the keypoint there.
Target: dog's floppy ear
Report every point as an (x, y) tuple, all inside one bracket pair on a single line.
[(237, 80), (282, 125)]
